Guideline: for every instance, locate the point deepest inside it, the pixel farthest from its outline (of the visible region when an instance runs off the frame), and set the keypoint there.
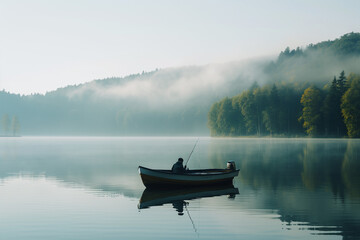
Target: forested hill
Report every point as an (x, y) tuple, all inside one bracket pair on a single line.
[(316, 63), (302, 97), (162, 102), (173, 101)]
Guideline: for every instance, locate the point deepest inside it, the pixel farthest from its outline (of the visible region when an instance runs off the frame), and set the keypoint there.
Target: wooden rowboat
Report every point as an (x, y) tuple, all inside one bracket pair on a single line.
[(166, 178)]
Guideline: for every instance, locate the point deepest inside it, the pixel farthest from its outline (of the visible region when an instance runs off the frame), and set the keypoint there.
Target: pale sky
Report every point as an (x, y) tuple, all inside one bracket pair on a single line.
[(47, 44)]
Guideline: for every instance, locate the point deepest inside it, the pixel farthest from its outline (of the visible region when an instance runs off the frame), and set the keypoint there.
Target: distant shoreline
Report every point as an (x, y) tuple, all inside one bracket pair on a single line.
[(309, 137), (167, 136)]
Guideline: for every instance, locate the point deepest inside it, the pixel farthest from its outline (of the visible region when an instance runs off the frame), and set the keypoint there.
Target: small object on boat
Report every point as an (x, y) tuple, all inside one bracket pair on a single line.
[(231, 165), (153, 178)]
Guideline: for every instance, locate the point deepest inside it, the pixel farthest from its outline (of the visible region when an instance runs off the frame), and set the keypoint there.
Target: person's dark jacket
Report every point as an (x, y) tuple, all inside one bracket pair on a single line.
[(178, 167)]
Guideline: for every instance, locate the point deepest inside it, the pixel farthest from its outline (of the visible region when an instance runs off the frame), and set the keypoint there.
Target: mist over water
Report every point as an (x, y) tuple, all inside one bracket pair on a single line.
[(89, 187), (70, 157)]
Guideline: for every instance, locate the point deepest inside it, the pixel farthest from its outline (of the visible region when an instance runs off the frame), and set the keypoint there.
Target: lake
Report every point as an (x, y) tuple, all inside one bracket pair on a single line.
[(89, 188)]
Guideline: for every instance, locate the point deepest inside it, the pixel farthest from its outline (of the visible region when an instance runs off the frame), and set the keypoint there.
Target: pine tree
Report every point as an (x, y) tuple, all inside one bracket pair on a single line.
[(332, 109), (341, 83), (341, 87)]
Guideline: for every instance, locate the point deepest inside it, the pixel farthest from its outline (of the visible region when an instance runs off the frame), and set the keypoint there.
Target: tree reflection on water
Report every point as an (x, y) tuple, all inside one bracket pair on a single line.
[(311, 181)]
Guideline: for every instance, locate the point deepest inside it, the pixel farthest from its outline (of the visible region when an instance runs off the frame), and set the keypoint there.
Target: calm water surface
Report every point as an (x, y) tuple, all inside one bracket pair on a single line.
[(89, 188)]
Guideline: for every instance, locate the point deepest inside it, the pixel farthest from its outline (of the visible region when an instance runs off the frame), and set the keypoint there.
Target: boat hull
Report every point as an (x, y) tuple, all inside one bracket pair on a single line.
[(165, 178)]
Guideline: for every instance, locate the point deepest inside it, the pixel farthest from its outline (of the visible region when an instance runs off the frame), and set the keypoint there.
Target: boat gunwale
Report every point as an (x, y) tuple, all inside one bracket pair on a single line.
[(216, 171)]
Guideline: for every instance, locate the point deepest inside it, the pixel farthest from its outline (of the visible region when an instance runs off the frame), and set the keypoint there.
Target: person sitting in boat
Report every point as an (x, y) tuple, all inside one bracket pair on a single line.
[(178, 166), (179, 206)]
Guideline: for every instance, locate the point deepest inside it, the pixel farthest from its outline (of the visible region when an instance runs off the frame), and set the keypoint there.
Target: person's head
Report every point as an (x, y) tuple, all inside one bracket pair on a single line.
[(180, 160)]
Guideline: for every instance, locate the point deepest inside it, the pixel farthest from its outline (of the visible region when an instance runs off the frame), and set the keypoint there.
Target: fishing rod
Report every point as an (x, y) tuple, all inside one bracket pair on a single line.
[(191, 153), (194, 227)]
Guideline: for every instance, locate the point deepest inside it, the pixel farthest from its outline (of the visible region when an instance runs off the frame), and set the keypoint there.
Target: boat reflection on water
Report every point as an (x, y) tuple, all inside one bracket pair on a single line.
[(177, 197)]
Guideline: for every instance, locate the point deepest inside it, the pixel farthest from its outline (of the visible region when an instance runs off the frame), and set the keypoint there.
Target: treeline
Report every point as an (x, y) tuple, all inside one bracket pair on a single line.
[(290, 109), (346, 46), (315, 61)]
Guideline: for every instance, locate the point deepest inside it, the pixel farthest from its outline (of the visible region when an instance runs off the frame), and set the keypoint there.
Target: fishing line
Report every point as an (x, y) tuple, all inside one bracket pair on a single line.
[(191, 220)]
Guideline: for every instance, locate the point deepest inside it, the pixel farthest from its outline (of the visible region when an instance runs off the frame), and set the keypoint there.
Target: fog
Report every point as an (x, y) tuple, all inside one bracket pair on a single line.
[(202, 85), (314, 66), (177, 87), (170, 101)]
